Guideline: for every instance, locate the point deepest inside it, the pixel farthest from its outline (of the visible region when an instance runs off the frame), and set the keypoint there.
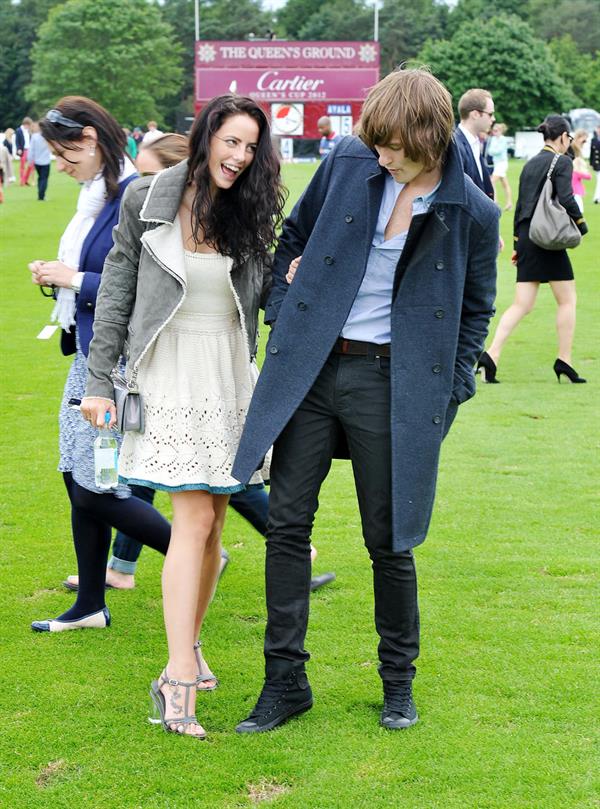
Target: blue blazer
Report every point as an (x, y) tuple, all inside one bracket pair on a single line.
[(470, 166), (95, 248), (443, 300)]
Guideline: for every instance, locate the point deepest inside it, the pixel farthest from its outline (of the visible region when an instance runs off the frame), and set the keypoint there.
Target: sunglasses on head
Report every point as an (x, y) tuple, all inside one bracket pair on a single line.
[(56, 117)]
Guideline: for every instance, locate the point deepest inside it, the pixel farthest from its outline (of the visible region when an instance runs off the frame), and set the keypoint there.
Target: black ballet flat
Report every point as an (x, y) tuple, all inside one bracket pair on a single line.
[(561, 367), (487, 366)]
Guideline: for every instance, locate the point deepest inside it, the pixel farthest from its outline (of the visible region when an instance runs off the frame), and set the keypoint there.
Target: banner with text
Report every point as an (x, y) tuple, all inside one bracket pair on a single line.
[(287, 71)]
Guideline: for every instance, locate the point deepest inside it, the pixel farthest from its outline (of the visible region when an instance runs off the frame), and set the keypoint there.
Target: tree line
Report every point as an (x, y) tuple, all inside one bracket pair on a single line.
[(136, 56)]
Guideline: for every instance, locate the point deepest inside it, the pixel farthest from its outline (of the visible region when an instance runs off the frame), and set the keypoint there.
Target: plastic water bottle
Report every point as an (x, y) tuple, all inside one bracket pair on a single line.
[(106, 457)]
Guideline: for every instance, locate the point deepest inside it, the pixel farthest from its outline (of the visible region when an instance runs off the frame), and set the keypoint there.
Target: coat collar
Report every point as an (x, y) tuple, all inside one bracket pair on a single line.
[(452, 189), (164, 195)]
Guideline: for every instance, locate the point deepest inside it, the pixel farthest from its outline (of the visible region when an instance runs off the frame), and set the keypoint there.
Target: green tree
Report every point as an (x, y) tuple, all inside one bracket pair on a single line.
[(19, 23), (481, 10), (404, 27), (503, 56), (339, 20), (121, 53), (294, 15), (580, 70), (552, 19)]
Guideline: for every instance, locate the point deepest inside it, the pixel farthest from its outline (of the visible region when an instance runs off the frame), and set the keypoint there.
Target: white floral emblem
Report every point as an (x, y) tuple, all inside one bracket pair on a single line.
[(206, 53), (367, 53)]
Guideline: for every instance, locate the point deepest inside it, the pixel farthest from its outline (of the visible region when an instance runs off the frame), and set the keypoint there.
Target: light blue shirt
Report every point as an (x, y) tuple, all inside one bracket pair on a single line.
[(39, 151), (370, 317)]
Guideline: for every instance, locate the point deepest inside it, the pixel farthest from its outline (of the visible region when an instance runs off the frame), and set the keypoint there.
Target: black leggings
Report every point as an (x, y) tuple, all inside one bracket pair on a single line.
[(92, 517)]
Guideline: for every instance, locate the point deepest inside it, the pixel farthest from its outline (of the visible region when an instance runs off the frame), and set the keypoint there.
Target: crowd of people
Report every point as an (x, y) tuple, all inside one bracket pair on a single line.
[(378, 295)]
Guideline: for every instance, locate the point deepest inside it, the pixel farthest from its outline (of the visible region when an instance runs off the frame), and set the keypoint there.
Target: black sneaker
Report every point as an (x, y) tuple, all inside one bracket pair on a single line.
[(278, 701), (399, 709)]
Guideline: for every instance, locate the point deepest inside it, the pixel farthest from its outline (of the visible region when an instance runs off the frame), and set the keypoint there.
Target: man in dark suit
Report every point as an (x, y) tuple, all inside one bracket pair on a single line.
[(476, 111), (374, 341)]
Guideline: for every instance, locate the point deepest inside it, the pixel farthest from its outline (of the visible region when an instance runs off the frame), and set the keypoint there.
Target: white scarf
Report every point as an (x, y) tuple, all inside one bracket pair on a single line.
[(92, 199)]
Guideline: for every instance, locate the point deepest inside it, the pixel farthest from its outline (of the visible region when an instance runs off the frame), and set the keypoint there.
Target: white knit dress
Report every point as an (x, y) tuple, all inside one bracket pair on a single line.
[(196, 381)]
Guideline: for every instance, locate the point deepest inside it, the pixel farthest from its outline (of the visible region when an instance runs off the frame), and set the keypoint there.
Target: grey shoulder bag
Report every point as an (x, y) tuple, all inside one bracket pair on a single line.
[(129, 404), (551, 226)]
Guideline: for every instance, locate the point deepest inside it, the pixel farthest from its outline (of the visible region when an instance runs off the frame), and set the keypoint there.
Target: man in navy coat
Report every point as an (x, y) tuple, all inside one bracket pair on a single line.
[(373, 346), (476, 111)]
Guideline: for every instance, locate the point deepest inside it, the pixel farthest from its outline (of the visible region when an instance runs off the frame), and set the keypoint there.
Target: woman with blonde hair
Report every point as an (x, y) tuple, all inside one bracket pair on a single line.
[(581, 170), (497, 148)]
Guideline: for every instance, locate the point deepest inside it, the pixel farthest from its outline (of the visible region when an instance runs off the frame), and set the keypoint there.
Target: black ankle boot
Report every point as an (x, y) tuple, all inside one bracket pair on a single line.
[(279, 700), (489, 368), (561, 367)]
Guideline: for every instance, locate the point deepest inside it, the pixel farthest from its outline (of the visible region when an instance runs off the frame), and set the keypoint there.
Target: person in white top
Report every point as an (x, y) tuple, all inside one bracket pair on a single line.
[(153, 133)]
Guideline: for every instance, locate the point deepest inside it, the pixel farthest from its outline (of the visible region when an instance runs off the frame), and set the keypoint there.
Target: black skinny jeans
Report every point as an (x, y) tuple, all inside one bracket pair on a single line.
[(351, 393)]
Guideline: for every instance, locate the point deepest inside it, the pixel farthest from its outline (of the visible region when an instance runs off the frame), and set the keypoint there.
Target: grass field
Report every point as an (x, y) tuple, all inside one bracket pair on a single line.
[(508, 678)]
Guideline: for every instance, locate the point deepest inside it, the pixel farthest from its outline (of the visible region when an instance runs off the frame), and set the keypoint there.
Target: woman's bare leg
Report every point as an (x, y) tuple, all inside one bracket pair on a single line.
[(566, 299), (525, 295), (211, 565), (194, 516)]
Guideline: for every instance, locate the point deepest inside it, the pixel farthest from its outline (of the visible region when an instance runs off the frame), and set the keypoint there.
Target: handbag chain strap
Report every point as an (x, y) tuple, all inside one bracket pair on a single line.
[(551, 169)]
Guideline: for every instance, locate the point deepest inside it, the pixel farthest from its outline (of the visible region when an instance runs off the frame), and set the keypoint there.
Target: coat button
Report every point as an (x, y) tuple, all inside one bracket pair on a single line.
[(273, 350), (439, 313), (301, 306), (328, 260), (89, 305), (437, 419), (436, 368), (439, 265), (348, 218)]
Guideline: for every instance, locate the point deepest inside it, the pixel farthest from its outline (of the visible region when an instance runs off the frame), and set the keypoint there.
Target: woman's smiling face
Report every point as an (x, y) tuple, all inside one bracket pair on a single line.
[(232, 150)]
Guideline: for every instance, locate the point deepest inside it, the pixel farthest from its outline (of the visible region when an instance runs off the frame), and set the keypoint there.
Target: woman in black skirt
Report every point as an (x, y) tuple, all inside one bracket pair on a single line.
[(535, 265)]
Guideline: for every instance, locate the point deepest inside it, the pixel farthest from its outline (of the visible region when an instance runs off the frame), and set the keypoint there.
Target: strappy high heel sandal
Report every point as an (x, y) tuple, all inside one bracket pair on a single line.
[(174, 724), (204, 673)]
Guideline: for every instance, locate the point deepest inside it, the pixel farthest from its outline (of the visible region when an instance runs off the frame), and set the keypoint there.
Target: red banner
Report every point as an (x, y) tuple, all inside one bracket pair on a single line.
[(287, 71)]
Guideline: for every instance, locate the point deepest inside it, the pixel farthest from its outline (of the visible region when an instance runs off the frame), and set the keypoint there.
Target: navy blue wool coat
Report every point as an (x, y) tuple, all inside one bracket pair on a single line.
[(443, 300)]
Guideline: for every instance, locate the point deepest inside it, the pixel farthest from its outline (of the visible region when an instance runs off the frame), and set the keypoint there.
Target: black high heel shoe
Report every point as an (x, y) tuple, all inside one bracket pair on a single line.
[(489, 368), (561, 367)]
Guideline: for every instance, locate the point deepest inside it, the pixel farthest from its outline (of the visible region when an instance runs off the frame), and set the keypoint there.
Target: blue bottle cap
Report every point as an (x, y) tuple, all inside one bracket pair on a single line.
[(107, 417)]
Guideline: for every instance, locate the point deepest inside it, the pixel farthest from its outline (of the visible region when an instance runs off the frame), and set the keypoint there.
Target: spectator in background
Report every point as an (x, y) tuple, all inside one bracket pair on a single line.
[(132, 148), (328, 137), (39, 156), (22, 144), (152, 134), (497, 148), (595, 161), (536, 265), (5, 160), (581, 170), (138, 135), (476, 111), (9, 142)]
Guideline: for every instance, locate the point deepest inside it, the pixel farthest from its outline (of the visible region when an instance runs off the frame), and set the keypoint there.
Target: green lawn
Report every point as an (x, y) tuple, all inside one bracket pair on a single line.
[(508, 586)]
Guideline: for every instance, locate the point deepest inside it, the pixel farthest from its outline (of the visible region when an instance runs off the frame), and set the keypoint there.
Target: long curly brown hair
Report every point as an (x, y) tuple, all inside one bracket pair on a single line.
[(243, 220)]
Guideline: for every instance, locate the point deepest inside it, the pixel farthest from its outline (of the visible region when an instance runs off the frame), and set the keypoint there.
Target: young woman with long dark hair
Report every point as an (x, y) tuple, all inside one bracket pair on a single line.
[(536, 265), (180, 296)]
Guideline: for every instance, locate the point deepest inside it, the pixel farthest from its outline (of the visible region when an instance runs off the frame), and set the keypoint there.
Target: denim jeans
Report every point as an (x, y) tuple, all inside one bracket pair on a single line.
[(252, 505)]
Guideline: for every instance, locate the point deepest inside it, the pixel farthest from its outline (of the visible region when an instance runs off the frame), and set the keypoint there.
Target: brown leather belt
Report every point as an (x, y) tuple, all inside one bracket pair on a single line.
[(357, 348)]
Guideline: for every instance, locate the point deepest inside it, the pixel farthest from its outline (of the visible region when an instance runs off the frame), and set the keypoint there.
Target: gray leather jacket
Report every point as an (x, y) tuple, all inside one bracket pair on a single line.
[(144, 282)]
